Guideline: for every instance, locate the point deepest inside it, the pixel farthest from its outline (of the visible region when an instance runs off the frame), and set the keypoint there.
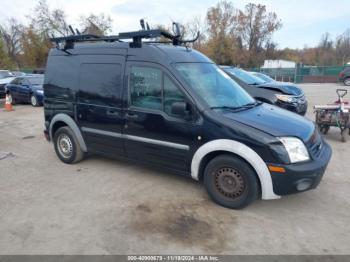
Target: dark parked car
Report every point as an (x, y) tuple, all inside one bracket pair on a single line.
[(170, 106), (285, 95), (344, 76), (26, 89)]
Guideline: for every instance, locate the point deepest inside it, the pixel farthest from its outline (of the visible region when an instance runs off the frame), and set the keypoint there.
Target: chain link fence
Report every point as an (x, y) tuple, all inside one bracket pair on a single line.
[(303, 74)]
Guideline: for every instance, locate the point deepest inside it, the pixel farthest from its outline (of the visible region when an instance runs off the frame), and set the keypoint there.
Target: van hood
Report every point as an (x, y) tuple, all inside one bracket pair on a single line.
[(274, 121), (285, 88)]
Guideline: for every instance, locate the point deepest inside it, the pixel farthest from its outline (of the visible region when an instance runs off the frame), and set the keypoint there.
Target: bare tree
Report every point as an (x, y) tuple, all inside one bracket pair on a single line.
[(255, 27), (342, 46), (11, 35), (191, 29), (47, 22), (222, 43), (96, 24)]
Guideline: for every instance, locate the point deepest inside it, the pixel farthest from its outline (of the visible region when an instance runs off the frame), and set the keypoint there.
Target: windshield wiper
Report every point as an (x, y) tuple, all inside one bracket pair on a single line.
[(225, 107), (238, 108), (252, 104)]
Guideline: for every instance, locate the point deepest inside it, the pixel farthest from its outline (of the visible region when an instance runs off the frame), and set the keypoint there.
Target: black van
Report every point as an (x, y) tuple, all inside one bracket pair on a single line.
[(169, 106)]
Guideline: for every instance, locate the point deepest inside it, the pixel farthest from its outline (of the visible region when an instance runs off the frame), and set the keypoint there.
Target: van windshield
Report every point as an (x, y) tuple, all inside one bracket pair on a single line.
[(213, 85)]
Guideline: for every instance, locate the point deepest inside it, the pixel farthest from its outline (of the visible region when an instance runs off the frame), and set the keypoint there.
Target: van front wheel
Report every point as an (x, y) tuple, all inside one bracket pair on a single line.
[(231, 182), (66, 146)]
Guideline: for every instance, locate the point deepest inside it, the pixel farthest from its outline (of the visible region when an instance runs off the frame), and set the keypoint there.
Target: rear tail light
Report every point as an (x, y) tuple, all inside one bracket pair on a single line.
[(341, 74)]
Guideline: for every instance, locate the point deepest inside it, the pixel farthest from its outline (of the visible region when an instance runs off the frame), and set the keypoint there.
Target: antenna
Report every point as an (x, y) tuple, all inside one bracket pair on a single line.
[(142, 23), (176, 29), (71, 29)]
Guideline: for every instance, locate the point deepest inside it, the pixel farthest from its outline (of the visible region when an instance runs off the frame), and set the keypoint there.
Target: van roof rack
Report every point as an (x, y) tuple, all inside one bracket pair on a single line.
[(136, 36)]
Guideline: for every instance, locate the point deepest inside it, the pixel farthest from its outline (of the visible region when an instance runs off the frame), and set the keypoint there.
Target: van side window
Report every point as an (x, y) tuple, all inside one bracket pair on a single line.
[(146, 87), (171, 95), (100, 84)]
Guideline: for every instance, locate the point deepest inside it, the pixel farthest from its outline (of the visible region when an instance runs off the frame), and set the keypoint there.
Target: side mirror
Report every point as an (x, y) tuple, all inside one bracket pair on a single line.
[(181, 109)]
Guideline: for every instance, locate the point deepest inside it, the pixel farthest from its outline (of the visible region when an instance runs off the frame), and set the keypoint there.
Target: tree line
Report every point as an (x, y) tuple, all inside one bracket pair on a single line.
[(229, 36), (28, 45)]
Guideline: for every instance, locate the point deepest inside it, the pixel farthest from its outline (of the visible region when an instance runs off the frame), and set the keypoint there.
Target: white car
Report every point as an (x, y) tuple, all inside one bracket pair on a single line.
[(5, 78)]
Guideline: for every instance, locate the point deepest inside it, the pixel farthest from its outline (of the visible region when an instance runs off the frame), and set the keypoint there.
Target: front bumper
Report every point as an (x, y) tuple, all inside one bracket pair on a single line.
[(299, 108), (302, 176)]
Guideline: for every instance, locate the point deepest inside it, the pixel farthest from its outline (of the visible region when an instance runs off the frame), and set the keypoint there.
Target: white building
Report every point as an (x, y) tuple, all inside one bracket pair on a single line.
[(278, 64)]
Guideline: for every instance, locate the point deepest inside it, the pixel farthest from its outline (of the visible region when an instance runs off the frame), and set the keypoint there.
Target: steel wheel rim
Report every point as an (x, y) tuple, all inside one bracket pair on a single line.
[(65, 146), (229, 182), (347, 82), (33, 100)]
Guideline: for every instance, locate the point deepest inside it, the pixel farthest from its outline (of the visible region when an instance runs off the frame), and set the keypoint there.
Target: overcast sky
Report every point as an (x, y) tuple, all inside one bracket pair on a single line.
[(304, 21)]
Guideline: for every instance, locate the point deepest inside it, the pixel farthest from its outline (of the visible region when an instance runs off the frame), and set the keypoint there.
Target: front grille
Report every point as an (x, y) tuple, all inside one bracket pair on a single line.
[(315, 144)]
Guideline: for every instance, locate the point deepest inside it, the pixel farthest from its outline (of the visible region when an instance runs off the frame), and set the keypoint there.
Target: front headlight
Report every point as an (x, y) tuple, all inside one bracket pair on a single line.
[(295, 148), (40, 92), (285, 98)]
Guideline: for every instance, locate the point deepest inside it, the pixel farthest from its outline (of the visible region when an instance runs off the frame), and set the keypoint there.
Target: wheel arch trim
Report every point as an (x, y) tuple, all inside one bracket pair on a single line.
[(245, 152), (71, 123)]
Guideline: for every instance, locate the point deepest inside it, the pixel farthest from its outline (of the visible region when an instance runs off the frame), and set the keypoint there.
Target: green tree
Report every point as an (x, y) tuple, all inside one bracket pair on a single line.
[(35, 48), (5, 61)]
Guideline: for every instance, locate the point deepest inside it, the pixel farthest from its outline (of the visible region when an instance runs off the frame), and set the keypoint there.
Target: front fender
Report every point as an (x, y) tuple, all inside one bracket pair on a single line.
[(244, 152)]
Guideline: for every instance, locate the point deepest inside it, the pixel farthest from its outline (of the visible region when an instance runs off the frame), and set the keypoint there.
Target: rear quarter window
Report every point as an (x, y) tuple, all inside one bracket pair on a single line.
[(100, 84)]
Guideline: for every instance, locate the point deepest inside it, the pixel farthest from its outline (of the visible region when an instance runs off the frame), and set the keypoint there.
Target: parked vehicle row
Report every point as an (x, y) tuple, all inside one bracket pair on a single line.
[(26, 89), (170, 106), (262, 88)]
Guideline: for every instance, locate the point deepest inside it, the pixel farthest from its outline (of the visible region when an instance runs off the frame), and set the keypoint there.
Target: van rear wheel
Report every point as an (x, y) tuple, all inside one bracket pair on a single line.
[(231, 182), (66, 146)]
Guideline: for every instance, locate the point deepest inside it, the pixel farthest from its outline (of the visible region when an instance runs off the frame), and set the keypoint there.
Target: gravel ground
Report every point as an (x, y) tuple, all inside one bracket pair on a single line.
[(102, 206)]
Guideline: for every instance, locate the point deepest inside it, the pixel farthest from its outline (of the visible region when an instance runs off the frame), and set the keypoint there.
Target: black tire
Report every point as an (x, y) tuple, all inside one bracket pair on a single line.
[(66, 146), (34, 101), (231, 182)]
